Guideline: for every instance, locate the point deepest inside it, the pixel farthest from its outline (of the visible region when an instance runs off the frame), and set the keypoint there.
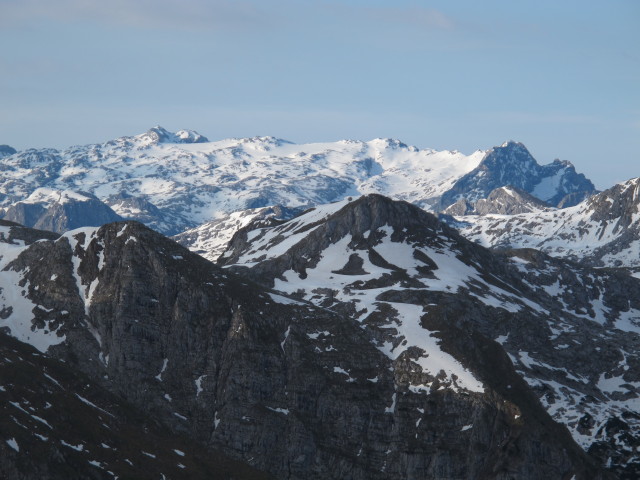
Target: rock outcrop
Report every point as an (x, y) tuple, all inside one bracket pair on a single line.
[(602, 231), (60, 211), (285, 386), (569, 331), (511, 164)]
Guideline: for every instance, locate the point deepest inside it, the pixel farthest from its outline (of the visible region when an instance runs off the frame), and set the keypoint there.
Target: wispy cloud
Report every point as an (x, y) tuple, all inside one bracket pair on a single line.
[(140, 13)]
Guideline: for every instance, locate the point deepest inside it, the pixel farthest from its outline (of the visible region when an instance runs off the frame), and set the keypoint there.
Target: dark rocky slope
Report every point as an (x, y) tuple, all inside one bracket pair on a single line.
[(58, 424), (293, 389), (572, 332)]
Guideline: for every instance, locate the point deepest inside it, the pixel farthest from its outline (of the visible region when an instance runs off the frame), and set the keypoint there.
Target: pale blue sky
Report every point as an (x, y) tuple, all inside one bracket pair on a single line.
[(563, 77)]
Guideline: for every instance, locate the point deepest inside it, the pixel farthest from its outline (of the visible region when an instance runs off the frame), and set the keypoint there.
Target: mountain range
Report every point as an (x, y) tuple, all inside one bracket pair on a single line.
[(175, 181), (362, 310)]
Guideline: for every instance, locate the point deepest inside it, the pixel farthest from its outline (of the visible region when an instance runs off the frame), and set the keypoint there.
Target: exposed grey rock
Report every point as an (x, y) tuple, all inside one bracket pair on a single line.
[(509, 201), (459, 208), (602, 231), (57, 423), (6, 150), (292, 389), (501, 201), (511, 164), (571, 331), (62, 215)]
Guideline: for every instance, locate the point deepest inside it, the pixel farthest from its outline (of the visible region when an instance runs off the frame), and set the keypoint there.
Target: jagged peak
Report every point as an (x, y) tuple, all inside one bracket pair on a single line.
[(391, 143), (158, 134), (6, 150), (264, 142), (563, 163), (511, 144)]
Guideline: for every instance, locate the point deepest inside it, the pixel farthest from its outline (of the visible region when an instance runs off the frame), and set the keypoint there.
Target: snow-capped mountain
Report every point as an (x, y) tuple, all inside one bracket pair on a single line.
[(419, 290), (176, 181), (210, 239), (603, 230), (59, 211), (290, 388), (502, 201), (361, 339), (511, 164)]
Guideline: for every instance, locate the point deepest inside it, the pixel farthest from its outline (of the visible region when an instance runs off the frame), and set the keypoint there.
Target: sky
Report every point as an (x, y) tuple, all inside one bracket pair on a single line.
[(562, 77)]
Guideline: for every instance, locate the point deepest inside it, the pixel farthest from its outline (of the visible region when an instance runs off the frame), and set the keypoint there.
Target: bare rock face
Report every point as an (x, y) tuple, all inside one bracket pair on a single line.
[(58, 424), (6, 150), (509, 201), (61, 211), (287, 387), (511, 164), (602, 231), (569, 330), (501, 201)]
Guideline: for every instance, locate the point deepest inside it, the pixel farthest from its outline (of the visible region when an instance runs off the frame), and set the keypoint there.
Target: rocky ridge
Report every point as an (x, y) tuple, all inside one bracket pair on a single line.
[(60, 211), (602, 231), (572, 332), (288, 387), (511, 164), (501, 201)]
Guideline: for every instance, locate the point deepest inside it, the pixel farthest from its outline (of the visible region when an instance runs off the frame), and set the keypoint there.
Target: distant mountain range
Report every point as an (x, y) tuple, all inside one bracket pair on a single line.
[(363, 310), (175, 181)]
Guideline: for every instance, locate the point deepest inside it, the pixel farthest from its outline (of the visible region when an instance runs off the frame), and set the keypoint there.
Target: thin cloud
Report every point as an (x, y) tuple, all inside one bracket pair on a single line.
[(186, 14)]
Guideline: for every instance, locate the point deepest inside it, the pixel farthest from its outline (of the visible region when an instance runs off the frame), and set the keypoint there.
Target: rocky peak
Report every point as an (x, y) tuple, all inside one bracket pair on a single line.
[(501, 201), (509, 159), (385, 265), (323, 226), (511, 164), (509, 201), (60, 210), (6, 150), (619, 202), (158, 134)]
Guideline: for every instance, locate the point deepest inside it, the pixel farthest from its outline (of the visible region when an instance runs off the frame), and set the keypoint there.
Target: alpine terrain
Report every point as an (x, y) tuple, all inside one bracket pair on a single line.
[(350, 310)]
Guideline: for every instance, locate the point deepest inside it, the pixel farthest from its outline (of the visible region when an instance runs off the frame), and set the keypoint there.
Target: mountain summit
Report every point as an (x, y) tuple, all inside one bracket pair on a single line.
[(158, 134), (511, 164)]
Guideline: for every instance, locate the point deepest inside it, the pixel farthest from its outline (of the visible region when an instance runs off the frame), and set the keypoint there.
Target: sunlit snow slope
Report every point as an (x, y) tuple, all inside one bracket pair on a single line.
[(175, 181), (604, 230)]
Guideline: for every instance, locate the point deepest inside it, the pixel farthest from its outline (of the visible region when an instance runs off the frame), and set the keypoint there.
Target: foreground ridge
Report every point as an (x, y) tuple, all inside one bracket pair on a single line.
[(288, 387)]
